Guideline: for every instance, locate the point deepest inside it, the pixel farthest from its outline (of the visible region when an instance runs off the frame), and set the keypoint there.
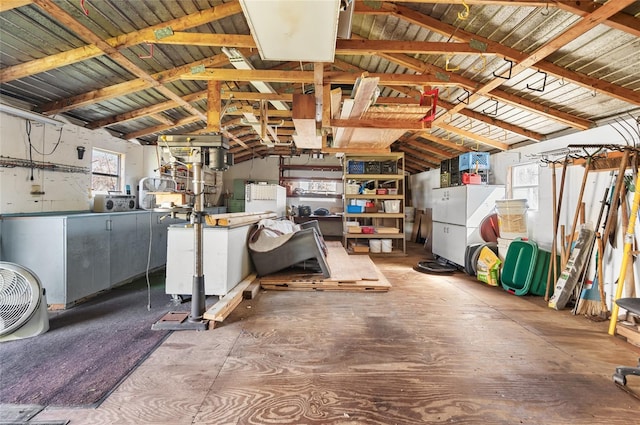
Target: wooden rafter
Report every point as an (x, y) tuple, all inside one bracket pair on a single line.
[(473, 86), (127, 40), (591, 83), (575, 30), (128, 87)]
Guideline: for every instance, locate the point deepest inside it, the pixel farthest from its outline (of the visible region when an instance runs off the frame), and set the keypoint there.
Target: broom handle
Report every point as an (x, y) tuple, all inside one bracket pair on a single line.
[(577, 213), (554, 247), (615, 197), (585, 272), (600, 264)]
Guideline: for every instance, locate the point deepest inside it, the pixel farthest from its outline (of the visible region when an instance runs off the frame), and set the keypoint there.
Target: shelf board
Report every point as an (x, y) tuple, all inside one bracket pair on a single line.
[(336, 179), (374, 235), (373, 196), (374, 215), (373, 176), (337, 168), (315, 195)]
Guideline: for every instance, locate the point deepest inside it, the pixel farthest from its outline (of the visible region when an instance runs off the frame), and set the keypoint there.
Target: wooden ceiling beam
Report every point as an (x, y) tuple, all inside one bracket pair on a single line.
[(473, 86), (12, 4), (120, 42), (307, 77), (620, 21), (160, 128), (128, 87), (419, 154), (416, 162), (83, 32), (445, 142), (143, 112), (582, 80), (413, 95), (473, 136), (413, 141), (577, 29), (343, 46)]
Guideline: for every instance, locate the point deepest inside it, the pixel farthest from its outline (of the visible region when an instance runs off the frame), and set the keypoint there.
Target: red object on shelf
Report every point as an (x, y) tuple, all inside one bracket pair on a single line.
[(381, 191), (368, 229), (468, 178)]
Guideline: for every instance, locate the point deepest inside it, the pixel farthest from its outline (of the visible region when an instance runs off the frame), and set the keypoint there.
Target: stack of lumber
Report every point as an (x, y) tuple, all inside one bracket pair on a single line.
[(348, 273), (237, 219)]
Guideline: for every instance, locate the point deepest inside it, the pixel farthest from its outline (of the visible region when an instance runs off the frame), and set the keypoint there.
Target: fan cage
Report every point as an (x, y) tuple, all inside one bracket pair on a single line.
[(19, 296)]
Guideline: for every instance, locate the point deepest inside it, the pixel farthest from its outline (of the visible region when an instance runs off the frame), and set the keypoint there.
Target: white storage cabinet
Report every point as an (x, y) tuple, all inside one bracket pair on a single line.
[(457, 214)]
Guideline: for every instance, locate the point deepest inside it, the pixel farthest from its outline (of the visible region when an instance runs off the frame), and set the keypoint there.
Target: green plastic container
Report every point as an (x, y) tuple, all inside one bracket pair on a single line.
[(519, 264), (539, 280)]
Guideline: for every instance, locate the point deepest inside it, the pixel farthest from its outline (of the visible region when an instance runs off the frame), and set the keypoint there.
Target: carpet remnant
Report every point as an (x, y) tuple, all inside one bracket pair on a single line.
[(88, 350)]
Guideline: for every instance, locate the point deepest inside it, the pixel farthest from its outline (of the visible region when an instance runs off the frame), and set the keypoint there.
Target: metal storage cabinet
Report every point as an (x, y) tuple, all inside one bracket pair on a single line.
[(79, 255), (457, 214)]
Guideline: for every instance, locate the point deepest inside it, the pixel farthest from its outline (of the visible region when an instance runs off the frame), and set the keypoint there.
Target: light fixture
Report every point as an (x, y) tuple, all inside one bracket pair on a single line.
[(29, 115), (301, 30), (240, 62)]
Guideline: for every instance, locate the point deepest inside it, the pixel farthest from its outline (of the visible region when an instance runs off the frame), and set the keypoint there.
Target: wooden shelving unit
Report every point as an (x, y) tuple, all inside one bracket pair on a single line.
[(375, 216)]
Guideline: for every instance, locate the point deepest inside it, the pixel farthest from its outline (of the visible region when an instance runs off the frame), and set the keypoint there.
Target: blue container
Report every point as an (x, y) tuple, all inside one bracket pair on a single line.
[(469, 160), (354, 209), (356, 167)]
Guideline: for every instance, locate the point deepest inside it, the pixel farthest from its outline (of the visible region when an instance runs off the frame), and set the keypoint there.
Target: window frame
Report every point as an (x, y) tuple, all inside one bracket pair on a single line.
[(118, 174), (513, 185)]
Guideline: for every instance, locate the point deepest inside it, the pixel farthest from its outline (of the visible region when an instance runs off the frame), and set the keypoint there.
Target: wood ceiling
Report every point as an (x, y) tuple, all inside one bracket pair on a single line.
[(508, 72)]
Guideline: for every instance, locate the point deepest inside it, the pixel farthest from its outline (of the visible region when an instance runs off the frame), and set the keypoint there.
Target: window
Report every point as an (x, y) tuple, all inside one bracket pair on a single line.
[(106, 171), (524, 183)]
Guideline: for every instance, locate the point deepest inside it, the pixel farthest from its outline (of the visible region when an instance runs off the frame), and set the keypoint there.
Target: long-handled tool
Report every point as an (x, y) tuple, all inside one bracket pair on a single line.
[(578, 306), (556, 214), (578, 206), (628, 242)]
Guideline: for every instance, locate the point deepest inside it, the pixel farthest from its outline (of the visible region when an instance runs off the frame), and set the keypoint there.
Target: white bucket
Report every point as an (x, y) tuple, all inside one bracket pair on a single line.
[(375, 245), (503, 247), (512, 218), (387, 245)]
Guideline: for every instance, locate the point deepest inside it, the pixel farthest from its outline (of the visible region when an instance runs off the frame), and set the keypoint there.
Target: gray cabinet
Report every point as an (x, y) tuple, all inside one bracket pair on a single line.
[(457, 214), (78, 255), (87, 257)]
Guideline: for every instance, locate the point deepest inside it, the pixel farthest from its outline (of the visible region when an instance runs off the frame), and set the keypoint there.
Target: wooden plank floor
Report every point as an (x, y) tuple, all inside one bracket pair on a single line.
[(433, 350)]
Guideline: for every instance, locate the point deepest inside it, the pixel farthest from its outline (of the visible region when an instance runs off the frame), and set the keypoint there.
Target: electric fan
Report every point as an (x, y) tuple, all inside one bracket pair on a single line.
[(23, 305)]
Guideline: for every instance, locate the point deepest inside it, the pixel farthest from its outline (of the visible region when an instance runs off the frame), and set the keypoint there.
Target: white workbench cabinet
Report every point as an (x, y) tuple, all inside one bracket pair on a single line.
[(457, 214), (79, 255), (226, 260)]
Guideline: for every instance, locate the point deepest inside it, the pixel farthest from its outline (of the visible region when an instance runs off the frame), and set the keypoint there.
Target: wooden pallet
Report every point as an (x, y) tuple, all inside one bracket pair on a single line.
[(348, 273)]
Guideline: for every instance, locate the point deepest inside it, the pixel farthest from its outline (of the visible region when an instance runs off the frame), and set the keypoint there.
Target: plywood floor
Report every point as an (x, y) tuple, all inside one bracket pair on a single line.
[(434, 349)]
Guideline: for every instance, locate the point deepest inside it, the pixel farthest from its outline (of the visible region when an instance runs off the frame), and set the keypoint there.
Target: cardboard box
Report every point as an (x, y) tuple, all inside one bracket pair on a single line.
[(171, 198)]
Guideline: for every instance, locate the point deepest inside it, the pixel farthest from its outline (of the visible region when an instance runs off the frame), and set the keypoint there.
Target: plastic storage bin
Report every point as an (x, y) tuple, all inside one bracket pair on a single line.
[(375, 245), (512, 218), (471, 160), (354, 209), (356, 167), (392, 206), (519, 263)]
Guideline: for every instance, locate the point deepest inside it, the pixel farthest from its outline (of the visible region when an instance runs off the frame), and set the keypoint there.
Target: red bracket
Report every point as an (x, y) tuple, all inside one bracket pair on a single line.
[(434, 102)]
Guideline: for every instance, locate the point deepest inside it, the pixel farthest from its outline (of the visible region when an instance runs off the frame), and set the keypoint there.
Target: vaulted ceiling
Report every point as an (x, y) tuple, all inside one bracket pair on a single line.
[(507, 73)]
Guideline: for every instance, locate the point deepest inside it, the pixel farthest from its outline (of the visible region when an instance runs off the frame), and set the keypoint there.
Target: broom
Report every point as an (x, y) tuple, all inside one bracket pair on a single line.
[(591, 304)]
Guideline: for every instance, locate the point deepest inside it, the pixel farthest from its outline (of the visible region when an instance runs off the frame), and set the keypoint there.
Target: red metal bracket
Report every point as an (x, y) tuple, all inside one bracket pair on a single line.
[(433, 93)]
